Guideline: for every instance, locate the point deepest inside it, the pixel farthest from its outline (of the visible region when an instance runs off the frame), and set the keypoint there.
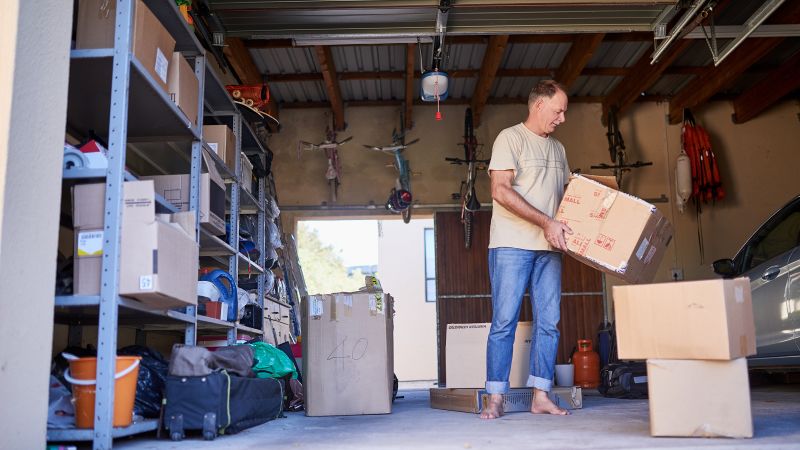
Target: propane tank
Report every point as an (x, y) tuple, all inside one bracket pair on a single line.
[(683, 179), (587, 365)]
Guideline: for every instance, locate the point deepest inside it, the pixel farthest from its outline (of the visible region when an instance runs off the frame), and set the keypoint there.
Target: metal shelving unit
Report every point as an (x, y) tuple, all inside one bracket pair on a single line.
[(113, 95)]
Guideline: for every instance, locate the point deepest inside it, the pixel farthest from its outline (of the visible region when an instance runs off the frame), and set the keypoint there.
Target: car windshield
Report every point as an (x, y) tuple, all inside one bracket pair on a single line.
[(776, 237)]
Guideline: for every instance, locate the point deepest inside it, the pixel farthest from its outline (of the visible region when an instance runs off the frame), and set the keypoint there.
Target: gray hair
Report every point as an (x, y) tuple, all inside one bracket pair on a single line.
[(544, 88)]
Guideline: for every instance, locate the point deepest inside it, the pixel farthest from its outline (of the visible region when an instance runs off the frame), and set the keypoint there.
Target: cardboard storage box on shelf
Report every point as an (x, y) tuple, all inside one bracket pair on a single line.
[(699, 398), (709, 319), (516, 400), (183, 86), (465, 355), (247, 174), (220, 139), (175, 189), (152, 44), (158, 253), (612, 231), (348, 356), (277, 333)]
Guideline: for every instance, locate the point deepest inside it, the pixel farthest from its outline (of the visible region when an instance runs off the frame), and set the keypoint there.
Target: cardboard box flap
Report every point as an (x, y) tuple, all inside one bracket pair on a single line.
[(605, 180), (211, 169)]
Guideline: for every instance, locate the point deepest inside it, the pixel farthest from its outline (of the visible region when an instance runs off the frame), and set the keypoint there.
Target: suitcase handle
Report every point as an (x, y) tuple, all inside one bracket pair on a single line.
[(121, 374)]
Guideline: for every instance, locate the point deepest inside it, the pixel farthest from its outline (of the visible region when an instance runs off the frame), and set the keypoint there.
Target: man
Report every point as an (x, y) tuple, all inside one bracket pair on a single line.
[(528, 173)]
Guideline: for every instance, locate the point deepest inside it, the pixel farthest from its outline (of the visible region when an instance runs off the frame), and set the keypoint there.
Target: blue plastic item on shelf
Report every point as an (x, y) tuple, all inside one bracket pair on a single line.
[(227, 291)]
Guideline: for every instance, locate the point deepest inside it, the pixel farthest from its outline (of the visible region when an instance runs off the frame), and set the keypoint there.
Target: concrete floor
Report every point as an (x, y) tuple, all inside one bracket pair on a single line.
[(601, 424)]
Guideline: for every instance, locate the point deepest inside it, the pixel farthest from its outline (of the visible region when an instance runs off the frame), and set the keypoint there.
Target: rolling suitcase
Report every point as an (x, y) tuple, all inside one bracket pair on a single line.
[(219, 403)]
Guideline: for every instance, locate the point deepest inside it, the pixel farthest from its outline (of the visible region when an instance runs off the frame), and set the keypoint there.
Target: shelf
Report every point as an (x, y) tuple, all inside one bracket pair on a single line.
[(248, 267), (247, 203), (217, 99), (73, 308), (79, 434), (240, 327), (211, 245), (207, 323), (86, 174), (222, 168), (150, 110), (170, 16), (250, 142), (276, 300)]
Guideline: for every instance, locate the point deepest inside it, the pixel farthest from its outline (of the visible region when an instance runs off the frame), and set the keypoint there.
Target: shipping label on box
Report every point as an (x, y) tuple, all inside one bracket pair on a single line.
[(708, 319), (465, 355), (699, 398), (90, 243), (613, 231)]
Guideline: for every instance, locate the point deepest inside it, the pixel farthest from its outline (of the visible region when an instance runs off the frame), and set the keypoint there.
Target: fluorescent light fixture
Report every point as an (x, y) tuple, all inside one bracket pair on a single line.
[(360, 40)]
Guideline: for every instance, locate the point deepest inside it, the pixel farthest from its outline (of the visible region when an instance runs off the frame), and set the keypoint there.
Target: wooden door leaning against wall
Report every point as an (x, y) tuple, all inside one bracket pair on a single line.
[(463, 294)]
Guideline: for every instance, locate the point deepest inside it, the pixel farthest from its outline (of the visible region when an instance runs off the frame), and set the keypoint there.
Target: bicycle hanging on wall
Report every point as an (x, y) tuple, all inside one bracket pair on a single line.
[(616, 149), (330, 146), (469, 200), (400, 197)]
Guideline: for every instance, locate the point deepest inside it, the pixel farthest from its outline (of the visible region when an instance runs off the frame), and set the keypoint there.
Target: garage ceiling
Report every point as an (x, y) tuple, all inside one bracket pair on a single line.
[(349, 52)]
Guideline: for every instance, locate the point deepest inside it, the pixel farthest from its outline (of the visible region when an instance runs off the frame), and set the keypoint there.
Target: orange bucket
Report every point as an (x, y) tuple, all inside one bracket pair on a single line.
[(81, 375)]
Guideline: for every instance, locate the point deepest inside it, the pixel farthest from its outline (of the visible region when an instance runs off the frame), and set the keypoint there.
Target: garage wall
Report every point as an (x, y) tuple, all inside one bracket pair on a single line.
[(758, 161)]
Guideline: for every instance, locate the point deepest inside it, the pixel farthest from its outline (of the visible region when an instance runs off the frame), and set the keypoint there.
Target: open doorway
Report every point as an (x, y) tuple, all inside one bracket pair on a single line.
[(335, 254)]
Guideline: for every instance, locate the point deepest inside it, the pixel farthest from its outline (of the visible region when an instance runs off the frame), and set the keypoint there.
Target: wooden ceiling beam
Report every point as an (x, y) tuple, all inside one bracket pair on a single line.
[(714, 79), (408, 119), (325, 60), (580, 52), (766, 92), (491, 62), (241, 61)]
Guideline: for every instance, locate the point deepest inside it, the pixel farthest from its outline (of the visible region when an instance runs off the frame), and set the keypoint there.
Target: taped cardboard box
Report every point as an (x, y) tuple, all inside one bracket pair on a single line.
[(220, 139), (158, 255), (176, 190), (183, 86), (247, 174), (709, 319), (614, 232), (348, 356), (516, 400), (699, 398), (465, 355), (152, 44)]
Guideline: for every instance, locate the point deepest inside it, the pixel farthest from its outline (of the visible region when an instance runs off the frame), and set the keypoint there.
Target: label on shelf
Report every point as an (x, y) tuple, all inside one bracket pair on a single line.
[(162, 65), (90, 243)]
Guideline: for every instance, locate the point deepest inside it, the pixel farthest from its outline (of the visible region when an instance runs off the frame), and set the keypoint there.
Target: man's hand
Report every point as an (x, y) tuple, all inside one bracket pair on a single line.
[(554, 233)]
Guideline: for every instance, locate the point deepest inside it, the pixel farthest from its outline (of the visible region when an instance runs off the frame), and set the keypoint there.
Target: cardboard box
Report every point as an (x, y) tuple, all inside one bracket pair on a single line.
[(465, 357), (612, 231), (176, 190), (221, 140), (710, 319), (517, 400), (699, 398), (183, 86), (348, 357), (152, 44), (158, 254), (247, 174)]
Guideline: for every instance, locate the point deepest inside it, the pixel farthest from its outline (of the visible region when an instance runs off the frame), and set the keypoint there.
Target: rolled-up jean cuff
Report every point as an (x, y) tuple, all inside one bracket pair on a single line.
[(497, 387), (538, 383)]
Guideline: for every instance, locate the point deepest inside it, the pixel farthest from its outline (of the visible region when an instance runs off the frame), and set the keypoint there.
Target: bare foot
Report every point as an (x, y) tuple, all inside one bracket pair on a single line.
[(494, 408), (543, 405)]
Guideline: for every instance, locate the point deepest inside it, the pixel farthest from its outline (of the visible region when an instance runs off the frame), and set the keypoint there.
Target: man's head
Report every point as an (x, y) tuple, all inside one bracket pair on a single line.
[(547, 104)]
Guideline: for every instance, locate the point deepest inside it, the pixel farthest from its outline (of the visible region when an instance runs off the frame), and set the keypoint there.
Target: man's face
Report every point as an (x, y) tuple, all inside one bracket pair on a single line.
[(551, 111)]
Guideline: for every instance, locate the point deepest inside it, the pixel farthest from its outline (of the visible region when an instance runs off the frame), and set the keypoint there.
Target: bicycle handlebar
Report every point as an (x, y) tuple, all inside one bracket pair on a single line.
[(465, 161)]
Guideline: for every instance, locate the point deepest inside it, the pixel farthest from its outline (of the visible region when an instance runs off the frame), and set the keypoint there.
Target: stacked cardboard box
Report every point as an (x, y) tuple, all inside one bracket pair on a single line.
[(348, 353), (695, 337)]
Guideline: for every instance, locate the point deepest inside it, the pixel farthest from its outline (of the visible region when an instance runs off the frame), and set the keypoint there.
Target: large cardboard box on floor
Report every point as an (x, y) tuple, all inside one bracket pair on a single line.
[(710, 319), (465, 358), (176, 190), (183, 86), (613, 231), (348, 357), (220, 139), (517, 400), (699, 398), (158, 254), (152, 44)]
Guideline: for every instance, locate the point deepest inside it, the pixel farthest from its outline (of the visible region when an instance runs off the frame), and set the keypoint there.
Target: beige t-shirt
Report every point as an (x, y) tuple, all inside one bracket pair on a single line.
[(540, 174)]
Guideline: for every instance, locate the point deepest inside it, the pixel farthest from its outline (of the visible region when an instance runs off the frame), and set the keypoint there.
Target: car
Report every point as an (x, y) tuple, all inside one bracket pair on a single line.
[(771, 259)]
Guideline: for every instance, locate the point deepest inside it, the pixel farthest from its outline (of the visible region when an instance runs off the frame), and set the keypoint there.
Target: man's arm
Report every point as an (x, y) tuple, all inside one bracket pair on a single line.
[(505, 195)]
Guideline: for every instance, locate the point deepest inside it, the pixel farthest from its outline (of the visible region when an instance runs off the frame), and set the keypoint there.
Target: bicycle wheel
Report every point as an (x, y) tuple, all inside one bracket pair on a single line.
[(468, 216), (469, 137), (406, 215)]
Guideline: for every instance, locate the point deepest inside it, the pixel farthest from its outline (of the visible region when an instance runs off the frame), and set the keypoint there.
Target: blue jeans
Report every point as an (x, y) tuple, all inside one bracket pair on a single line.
[(512, 271)]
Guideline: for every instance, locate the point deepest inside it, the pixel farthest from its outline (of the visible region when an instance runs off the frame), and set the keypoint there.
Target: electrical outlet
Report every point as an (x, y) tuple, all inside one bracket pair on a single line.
[(676, 274)]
